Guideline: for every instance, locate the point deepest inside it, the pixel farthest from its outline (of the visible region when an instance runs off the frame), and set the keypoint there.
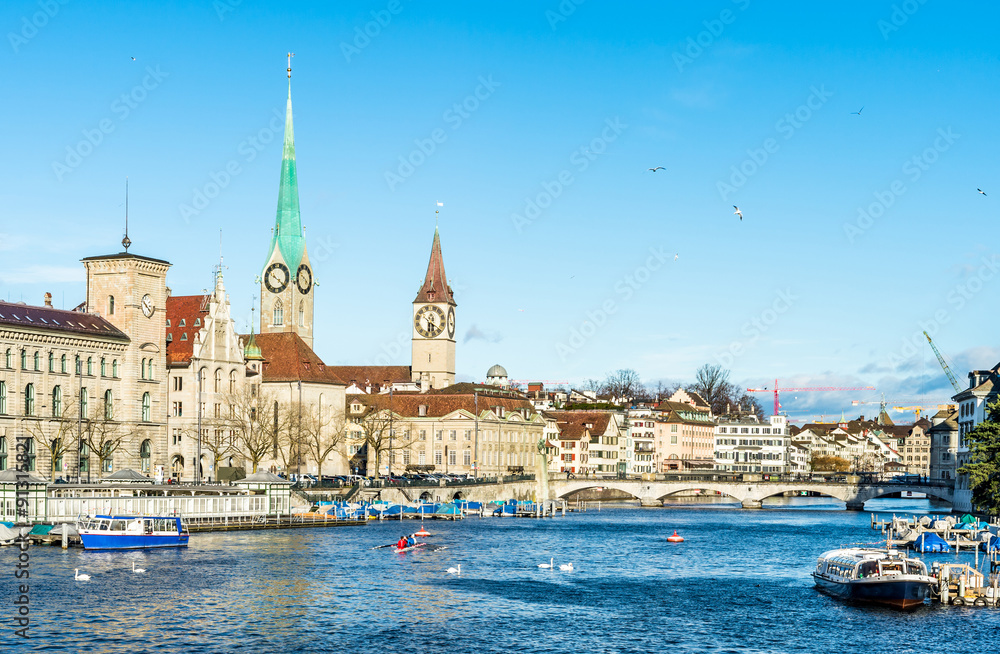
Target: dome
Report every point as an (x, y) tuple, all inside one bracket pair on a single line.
[(252, 351), (496, 371)]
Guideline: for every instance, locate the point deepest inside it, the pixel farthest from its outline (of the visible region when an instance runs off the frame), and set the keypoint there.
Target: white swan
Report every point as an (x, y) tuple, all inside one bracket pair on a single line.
[(80, 577), (546, 565), (455, 571), (137, 570), (566, 567)]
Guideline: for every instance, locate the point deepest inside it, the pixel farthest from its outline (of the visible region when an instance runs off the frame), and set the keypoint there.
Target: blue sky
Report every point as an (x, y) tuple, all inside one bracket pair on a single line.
[(859, 231)]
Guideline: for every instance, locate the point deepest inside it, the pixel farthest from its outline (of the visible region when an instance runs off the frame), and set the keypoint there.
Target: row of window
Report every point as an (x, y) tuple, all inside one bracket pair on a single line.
[(59, 365), (178, 382), (57, 404), (750, 442), (107, 461), (750, 430)]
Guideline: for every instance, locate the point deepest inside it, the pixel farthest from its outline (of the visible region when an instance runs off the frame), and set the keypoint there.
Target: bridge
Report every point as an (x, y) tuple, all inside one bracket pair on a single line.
[(750, 494)]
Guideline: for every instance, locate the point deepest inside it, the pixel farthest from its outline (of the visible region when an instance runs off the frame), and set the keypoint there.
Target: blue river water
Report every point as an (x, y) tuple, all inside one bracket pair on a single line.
[(739, 583)]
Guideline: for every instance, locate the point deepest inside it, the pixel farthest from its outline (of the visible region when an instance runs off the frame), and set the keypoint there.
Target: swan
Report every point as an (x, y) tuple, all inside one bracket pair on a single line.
[(80, 577), (137, 570), (567, 567), (455, 571), (546, 565)]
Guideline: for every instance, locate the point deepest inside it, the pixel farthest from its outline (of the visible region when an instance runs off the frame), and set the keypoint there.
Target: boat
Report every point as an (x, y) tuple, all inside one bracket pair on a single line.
[(121, 532), (400, 550), (881, 576)]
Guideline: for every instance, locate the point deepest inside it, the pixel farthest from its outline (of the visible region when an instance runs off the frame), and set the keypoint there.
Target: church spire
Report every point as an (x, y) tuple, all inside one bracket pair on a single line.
[(288, 236), (435, 287)]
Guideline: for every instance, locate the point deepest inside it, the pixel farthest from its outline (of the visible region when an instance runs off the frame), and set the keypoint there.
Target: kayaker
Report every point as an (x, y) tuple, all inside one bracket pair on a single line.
[(411, 541), (402, 543)]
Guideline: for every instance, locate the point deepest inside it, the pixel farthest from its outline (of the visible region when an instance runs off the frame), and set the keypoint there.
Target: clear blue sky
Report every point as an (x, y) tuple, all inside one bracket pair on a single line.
[(593, 98)]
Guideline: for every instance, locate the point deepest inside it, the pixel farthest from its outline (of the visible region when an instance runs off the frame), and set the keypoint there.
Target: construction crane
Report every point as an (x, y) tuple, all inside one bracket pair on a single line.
[(944, 364), (918, 409), (776, 390)]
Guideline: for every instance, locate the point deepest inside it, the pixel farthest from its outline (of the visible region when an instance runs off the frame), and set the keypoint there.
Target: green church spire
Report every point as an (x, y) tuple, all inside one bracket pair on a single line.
[(288, 236)]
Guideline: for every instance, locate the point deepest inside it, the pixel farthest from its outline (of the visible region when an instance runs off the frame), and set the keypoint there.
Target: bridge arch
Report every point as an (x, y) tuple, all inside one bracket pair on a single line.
[(831, 492), (595, 485)]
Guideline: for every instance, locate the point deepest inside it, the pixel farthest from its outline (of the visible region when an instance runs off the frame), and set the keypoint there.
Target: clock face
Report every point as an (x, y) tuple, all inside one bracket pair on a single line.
[(429, 321), (304, 279), (451, 322), (147, 305), (276, 277)]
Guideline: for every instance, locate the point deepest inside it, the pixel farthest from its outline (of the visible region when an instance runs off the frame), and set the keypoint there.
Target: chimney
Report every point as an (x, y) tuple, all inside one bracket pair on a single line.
[(48, 299), (422, 410)]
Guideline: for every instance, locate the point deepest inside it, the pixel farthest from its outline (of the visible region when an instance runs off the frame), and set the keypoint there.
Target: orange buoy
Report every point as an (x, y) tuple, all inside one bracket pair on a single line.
[(422, 532), (675, 538)]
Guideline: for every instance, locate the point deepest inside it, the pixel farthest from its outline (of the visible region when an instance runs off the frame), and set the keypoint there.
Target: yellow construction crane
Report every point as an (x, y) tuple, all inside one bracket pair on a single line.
[(918, 409)]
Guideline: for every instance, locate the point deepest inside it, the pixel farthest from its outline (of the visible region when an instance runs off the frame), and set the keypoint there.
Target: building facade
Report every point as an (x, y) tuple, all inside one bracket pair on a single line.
[(746, 444)]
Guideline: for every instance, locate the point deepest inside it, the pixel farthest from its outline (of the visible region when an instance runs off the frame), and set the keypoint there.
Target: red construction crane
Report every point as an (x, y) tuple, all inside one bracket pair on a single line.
[(775, 390)]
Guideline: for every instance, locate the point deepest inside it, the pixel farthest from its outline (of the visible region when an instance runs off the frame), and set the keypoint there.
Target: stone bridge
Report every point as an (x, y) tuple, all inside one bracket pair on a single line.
[(750, 494)]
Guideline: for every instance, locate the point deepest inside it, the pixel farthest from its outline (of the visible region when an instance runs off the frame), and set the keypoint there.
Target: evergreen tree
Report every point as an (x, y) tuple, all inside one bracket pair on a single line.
[(984, 465)]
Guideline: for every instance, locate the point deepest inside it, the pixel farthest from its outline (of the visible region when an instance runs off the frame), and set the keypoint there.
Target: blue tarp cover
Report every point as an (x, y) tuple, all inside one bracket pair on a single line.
[(928, 542), (993, 545)]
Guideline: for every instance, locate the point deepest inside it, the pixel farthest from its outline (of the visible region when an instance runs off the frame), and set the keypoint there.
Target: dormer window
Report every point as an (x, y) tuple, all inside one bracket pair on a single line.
[(182, 323), (168, 322), (356, 408), (197, 322), (422, 410), (184, 336), (170, 338)]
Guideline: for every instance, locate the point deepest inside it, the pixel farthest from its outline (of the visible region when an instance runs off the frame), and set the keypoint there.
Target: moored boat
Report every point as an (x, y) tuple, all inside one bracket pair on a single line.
[(873, 575), (110, 532)]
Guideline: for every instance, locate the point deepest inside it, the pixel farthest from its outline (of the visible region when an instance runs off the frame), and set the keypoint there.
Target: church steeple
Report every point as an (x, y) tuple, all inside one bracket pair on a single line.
[(435, 287), (288, 236)]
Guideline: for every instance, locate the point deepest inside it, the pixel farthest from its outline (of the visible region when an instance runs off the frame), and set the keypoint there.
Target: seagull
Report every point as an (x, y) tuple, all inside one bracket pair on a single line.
[(737, 212), (137, 570), (675, 257), (546, 565), (80, 577), (133, 58), (858, 112), (657, 168), (566, 567), (455, 571), (981, 191)]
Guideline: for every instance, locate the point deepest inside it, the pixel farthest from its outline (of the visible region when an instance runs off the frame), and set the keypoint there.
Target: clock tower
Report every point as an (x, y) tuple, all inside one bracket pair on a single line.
[(286, 281), (433, 356)]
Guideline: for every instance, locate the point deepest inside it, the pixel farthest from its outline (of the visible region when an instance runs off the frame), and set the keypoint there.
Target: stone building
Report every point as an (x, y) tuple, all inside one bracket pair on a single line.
[(944, 445)]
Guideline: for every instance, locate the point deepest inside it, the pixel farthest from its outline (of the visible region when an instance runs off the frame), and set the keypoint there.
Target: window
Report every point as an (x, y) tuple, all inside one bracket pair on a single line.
[(104, 367), (52, 361), (438, 435), (37, 360), (218, 381), (302, 313), (57, 401), (84, 458), (83, 401), (149, 371), (197, 322), (467, 457), (106, 460), (29, 400), (90, 365), (232, 388), (452, 436), (451, 457), (3, 453), (182, 323), (31, 455), (177, 435), (421, 457), (423, 434), (178, 383), (178, 409), (184, 336), (3, 400), (279, 313), (437, 457), (146, 407), (114, 368), (9, 359), (468, 434), (111, 305), (109, 405), (144, 453), (142, 369), (62, 363), (24, 359)]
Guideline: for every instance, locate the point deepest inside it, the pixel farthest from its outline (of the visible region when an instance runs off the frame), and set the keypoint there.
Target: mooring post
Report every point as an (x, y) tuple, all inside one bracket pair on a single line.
[(65, 536)]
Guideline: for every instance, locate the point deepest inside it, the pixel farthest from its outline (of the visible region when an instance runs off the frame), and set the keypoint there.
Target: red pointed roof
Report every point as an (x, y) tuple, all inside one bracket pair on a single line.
[(435, 287)]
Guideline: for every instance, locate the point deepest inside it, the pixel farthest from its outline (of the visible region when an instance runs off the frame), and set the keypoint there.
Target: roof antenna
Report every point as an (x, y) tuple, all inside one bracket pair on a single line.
[(125, 241)]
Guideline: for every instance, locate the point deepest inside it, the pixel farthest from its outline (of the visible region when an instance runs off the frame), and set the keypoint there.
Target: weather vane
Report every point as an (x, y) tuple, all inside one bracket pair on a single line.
[(290, 55), (436, 212), (125, 241)]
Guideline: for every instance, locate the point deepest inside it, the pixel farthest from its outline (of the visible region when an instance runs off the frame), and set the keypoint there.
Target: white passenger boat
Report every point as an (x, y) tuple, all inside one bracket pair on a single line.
[(873, 575)]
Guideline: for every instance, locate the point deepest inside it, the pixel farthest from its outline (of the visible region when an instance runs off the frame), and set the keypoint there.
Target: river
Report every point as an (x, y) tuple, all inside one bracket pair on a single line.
[(739, 583)]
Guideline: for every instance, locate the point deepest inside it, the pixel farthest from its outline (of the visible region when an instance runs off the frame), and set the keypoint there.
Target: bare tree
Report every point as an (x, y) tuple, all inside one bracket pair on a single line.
[(103, 434), (623, 385), (595, 385), (377, 429), (57, 435), (217, 444), (258, 423), (712, 383), (321, 435)]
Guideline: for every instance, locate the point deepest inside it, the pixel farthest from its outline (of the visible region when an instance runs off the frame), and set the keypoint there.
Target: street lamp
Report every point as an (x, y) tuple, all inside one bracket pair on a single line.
[(79, 423)]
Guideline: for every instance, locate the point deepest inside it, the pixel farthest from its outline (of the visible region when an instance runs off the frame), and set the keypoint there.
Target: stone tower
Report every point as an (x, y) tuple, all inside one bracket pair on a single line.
[(286, 281), (433, 354)]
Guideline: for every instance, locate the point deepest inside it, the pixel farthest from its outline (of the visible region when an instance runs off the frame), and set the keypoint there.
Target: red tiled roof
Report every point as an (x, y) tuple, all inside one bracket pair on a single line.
[(58, 320), (375, 375), (439, 405), (288, 358), (571, 423), (182, 311)]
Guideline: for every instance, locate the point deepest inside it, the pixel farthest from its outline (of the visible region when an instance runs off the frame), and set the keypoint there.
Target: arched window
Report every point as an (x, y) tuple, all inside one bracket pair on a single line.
[(84, 397), (142, 369), (57, 408), (177, 464), (114, 368), (111, 305), (279, 313), (3, 453), (201, 380), (109, 405), (232, 382), (84, 457), (144, 454), (38, 360), (29, 400), (52, 361), (302, 313), (9, 359), (90, 365), (107, 462), (218, 380), (146, 407), (149, 372), (62, 363), (31, 455), (104, 367), (3, 399), (24, 359)]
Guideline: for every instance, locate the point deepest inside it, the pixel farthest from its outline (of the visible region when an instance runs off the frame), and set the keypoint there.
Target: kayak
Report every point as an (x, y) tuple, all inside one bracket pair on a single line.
[(407, 549)]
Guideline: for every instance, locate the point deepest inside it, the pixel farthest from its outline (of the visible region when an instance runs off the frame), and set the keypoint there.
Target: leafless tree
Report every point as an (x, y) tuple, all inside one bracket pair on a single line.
[(103, 434), (56, 435), (623, 385), (712, 383), (322, 434), (377, 429), (258, 423)]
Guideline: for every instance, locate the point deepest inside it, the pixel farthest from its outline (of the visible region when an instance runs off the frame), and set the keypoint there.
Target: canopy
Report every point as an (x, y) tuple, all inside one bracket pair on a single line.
[(993, 545), (928, 542)]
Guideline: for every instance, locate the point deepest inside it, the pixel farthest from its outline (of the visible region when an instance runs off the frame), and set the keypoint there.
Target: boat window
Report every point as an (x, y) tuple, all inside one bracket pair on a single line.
[(117, 525), (104, 525)]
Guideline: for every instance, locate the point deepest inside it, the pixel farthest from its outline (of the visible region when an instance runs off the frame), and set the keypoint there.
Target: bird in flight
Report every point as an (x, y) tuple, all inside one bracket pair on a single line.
[(858, 112), (133, 58), (981, 191), (675, 257), (657, 168), (737, 212)]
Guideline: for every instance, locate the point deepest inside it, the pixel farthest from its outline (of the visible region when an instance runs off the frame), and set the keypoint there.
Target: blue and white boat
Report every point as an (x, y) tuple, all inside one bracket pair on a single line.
[(113, 532)]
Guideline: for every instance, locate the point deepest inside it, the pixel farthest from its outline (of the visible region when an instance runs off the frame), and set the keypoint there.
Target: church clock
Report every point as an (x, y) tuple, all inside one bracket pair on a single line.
[(451, 322), (429, 321), (276, 277), (303, 279)]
